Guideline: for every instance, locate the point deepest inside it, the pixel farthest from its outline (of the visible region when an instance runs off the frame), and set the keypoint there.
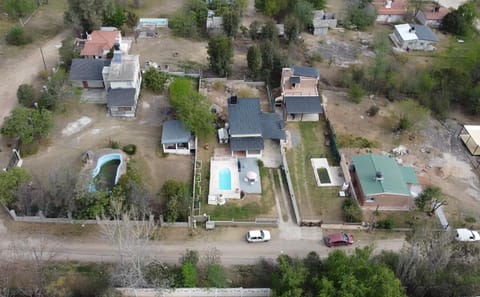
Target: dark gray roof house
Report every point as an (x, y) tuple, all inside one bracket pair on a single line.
[(305, 71), (302, 104), (425, 33), (87, 69), (174, 131), (120, 97), (249, 126)]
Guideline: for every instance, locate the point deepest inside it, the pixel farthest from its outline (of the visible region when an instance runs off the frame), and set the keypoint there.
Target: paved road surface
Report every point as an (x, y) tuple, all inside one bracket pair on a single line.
[(232, 252)]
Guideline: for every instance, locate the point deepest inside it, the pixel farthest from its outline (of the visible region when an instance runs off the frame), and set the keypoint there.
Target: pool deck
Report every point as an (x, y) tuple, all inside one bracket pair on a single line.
[(238, 172), (247, 165)]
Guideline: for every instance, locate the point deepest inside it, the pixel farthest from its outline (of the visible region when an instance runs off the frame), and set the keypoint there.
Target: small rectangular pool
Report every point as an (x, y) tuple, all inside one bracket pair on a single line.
[(225, 179)]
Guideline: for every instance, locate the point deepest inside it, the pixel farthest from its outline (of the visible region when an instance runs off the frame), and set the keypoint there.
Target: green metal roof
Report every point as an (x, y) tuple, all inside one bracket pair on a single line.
[(395, 177)]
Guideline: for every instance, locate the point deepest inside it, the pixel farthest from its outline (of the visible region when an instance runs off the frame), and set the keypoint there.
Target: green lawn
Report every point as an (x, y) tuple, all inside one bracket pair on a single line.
[(314, 202)]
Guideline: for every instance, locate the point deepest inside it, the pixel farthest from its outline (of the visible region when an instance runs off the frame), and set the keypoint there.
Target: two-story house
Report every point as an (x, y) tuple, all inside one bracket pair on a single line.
[(120, 78), (249, 126), (300, 98)]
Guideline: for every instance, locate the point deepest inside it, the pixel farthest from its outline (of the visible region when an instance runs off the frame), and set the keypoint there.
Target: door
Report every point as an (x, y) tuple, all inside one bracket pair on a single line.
[(85, 84)]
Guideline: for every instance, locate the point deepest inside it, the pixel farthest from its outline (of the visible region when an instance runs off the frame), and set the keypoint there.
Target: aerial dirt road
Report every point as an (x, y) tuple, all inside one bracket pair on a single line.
[(232, 252)]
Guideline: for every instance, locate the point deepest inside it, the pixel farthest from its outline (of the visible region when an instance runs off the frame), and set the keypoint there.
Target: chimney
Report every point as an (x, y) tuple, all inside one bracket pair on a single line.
[(379, 176)]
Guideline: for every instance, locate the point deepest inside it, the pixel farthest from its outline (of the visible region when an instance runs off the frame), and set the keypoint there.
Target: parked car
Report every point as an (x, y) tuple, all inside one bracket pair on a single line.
[(258, 236), (464, 234), (337, 239)]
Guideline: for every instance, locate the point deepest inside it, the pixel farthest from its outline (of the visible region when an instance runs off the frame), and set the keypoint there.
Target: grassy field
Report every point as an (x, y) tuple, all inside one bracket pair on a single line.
[(314, 202)]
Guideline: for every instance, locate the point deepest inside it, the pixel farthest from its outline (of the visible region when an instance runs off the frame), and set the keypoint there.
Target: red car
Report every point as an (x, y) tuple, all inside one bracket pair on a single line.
[(337, 239)]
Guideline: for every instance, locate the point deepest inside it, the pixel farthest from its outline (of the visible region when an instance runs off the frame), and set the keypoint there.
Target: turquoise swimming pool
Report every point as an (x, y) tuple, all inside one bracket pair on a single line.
[(107, 172), (224, 179)]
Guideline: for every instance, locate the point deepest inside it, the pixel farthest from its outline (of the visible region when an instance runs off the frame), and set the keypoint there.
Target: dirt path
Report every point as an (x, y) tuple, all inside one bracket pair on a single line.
[(24, 69)]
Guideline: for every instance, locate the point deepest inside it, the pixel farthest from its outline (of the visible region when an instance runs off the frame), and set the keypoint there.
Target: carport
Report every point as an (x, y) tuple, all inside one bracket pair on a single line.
[(470, 135)]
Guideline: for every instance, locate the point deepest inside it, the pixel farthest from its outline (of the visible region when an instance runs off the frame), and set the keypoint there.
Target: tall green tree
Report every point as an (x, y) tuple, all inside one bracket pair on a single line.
[(26, 95), (292, 28), (10, 182), (87, 15), (231, 21), (68, 52), (303, 11), (18, 8), (154, 80), (290, 278), (177, 200), (220, 55), (26, 124), (360, 15), (254, 61), (191, 107), (116, 18)]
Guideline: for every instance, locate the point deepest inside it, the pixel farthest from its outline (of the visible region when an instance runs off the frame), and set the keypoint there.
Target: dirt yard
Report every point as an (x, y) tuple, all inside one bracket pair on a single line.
[(435, 151), (65, 146)]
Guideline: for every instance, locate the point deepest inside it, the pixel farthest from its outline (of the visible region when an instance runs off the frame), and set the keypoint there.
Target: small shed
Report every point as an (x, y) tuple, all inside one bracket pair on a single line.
[(214, 23), (322, 21), (470, 136), (176, 138)]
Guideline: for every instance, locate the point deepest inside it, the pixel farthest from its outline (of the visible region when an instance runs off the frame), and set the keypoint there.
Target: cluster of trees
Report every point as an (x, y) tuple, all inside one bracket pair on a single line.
[(86, 16), (18, 8), (220, 55), (460, 21), (452, 79), (266, 58), (154, 80), (191, 107), (360, 15), (192, 20), (281, 8), (177, 200)]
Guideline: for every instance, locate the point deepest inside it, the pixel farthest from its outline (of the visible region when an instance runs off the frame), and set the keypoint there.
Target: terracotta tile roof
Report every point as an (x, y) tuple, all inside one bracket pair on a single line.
[(430, 13), (398, 7), (98, 42)]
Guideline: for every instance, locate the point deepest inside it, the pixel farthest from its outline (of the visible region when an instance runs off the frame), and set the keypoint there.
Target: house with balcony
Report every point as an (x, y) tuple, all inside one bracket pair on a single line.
[(248, 127), (414, 37), (300, 98), (100, 42), (116, 82)]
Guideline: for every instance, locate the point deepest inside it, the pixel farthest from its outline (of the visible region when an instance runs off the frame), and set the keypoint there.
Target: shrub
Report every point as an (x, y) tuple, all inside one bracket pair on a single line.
[(387, 223), (18, 36), (26, 95), (351, 211), (245, 93), (130, 149), (373, 110), (114, 144), (356, 93), (351, 141)]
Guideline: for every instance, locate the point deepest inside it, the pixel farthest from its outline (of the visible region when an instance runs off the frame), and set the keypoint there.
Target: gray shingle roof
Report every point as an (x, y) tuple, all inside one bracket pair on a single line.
[(120, 97), (246, 143), (424, 33), (87, 69), (299, 104), (244, 116), (305, 71), (174, 131), (273, 126)]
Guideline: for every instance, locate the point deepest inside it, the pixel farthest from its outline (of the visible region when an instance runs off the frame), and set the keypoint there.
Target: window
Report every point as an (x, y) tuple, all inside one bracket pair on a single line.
[(371, 199)]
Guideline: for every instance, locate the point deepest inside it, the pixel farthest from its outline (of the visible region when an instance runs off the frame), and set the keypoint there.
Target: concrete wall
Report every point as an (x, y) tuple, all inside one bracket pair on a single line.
[(196, 292), (389, 202)]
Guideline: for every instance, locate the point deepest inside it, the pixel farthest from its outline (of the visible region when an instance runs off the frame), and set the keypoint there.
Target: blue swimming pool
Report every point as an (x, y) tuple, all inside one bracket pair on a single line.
[(225, 179)]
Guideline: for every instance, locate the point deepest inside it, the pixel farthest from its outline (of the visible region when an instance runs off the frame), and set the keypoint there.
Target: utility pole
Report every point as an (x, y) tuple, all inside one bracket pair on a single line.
[(43, 58)]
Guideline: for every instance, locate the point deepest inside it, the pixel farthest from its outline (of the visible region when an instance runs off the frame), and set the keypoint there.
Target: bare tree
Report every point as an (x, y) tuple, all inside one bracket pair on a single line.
[(436, 204), (27, 264), (129, 233)]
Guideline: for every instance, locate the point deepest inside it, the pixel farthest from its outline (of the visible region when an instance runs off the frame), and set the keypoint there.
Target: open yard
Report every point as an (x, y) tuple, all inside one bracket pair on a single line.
[(315, 203), (435, 151), (64, 148)]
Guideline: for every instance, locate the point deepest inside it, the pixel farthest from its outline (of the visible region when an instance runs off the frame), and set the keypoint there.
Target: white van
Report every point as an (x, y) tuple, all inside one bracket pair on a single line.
[(464, 234)]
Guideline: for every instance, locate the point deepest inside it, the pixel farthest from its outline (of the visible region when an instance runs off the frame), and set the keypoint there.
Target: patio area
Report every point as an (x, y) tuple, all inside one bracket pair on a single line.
[(335, 175), (249, 174)]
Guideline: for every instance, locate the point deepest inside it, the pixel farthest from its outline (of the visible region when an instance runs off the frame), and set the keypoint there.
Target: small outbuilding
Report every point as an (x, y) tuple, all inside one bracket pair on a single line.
[(414, 37), (470, 136), (177, 139)]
